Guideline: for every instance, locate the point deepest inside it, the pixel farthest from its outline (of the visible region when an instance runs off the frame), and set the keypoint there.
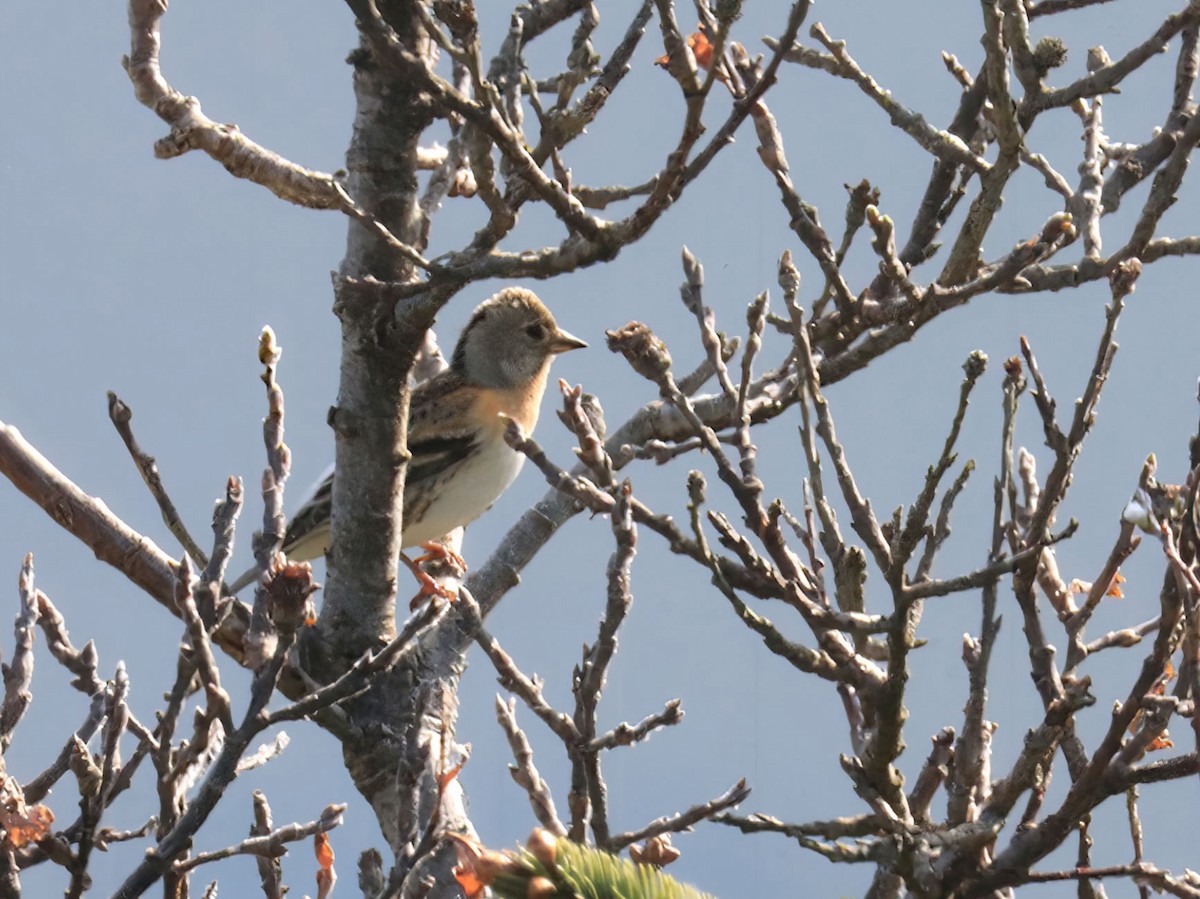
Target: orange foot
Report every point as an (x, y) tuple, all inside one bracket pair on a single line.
[(441, 551), (429, 586)]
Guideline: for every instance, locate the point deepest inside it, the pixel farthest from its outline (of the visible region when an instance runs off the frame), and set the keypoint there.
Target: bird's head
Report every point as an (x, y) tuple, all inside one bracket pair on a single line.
[(510, 338)]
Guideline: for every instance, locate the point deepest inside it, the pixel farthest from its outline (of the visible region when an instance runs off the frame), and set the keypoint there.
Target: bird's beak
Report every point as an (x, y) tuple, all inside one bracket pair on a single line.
[(561, 342)]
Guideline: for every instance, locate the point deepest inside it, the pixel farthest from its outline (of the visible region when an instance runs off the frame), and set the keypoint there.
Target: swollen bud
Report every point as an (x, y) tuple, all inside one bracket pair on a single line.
[(642, 350), (1050, 53), (543, 846)]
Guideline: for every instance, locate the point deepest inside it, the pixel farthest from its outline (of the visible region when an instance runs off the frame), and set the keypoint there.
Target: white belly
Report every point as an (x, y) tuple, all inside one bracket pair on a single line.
[(471, 491)]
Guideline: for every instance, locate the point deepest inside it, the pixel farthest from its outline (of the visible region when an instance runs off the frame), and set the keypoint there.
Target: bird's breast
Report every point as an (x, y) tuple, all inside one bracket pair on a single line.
[(461, 493), (521, 404)]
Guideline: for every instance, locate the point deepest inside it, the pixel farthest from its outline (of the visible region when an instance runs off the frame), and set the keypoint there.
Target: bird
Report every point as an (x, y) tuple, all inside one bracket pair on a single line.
[(461, 462)]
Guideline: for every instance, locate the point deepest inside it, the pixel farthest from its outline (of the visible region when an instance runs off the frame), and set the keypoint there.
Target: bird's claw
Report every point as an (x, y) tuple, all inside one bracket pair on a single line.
[(441, 552), (430, 586)]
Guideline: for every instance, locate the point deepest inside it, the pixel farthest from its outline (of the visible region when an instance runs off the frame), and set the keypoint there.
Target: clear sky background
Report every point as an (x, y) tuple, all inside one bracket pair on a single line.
[(122, 272)]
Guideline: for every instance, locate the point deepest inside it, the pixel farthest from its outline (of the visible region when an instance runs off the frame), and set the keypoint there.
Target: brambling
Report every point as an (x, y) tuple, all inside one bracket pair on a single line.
[(456, 422)]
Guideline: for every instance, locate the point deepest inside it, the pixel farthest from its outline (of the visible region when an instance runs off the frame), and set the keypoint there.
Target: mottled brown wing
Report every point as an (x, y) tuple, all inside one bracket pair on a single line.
[(441, 433), (314, 514), (441, 429)]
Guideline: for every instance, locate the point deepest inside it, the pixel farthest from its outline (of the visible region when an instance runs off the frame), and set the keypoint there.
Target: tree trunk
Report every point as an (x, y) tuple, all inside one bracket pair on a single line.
[(411, 710)]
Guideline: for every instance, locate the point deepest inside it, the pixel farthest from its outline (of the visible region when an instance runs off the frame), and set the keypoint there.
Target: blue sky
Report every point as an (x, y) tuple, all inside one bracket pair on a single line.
[(152, 278)]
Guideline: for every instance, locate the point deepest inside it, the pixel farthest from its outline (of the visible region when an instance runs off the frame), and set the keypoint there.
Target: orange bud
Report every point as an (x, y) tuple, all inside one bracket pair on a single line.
[(469, 882), (543, 846), (323, 850), (656, 851), (447, 777), (1114, 587), (701, 48)]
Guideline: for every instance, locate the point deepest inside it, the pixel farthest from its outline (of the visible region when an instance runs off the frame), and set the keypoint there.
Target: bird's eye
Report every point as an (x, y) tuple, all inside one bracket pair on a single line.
[(537, 332)]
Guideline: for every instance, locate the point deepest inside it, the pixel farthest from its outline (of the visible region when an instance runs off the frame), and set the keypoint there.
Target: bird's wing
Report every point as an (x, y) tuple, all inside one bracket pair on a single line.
[(312, 515), (442, 431)]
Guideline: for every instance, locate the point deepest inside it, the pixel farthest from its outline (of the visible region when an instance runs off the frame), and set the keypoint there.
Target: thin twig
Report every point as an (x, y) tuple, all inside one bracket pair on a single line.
[(273, 843), (677, 823), (524, 772), (121, 415)]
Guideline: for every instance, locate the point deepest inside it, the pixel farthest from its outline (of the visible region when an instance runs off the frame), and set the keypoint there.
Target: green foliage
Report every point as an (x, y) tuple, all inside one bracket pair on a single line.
[(583, 873)]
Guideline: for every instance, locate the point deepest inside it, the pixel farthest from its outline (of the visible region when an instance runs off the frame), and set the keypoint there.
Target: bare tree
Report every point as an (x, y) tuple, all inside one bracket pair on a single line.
[(386, 687)]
